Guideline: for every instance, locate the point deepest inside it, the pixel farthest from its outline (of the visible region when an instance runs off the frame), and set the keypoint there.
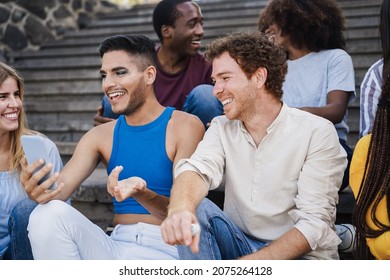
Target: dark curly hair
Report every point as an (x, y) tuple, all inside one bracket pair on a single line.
[(252, 51), (314, 24)]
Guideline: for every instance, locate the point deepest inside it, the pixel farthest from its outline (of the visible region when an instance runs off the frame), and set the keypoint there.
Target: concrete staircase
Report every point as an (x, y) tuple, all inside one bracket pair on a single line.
[(63, 88)]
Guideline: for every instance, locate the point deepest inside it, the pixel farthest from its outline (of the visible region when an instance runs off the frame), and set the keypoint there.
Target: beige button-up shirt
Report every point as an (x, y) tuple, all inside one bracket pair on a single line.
[(290, 180)]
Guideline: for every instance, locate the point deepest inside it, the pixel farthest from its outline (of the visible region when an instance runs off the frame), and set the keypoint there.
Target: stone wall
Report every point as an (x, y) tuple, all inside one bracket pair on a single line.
[(27, 24)]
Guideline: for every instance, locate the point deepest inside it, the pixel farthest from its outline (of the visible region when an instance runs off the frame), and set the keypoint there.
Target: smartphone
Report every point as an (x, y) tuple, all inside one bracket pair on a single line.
[(34, 149)]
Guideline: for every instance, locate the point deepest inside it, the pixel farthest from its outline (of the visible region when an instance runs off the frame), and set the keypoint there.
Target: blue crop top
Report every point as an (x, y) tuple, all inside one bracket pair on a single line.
[(142, 153)]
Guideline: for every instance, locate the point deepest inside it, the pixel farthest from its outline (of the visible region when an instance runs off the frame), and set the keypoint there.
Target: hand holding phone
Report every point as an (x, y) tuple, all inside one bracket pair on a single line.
[(34, 148)]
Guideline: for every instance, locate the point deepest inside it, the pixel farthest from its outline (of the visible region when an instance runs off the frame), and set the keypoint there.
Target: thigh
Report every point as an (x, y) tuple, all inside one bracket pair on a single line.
[(232, 241), (220, 237), (20, 248), (59, 231), (142, 241)]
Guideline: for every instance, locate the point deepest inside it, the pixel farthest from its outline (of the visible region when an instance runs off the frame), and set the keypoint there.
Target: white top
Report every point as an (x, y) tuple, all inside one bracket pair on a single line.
[(370, 92), (310, 78), (290, 180)]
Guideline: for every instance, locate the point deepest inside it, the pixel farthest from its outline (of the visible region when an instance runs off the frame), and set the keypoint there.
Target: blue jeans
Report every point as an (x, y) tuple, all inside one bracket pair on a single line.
[(220, 238), (200, 102), (349, 151), (19, 247)]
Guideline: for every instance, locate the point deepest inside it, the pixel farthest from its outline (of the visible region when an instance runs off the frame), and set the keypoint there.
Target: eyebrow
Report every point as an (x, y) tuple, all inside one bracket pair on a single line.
[(9, 93), (227, 72), (113, 69)]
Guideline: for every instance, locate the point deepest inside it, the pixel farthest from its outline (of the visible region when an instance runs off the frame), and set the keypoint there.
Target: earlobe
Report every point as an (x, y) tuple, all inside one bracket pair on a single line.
[(150, 74), (261, 75), (166, 31)]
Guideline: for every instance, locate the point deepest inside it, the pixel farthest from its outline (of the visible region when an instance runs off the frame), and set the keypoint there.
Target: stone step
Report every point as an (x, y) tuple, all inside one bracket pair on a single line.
[(359, 14), (64, 75), (63, 87), (359, 40)]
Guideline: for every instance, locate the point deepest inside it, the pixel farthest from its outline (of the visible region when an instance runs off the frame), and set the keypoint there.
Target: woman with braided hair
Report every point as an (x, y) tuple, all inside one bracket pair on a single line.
[(370, 183)]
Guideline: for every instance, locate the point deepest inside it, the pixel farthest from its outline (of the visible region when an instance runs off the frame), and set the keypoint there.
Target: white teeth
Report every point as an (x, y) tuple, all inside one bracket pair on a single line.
[(227, 101), (11, 116), (115, 94)]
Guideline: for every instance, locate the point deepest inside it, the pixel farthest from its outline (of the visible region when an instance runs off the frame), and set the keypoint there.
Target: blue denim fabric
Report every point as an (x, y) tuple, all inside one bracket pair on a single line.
[(200, 102), (220, 238), (349, 151), (19, 247)]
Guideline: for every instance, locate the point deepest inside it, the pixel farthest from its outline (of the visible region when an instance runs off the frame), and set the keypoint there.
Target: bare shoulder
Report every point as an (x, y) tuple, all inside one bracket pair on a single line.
[(186, 122), (99, 133), (184, 132)]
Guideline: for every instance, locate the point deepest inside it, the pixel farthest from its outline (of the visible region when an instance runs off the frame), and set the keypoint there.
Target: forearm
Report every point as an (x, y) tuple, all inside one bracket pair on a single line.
[(187, 192), (328, 112), (156, 204), (289, 246)]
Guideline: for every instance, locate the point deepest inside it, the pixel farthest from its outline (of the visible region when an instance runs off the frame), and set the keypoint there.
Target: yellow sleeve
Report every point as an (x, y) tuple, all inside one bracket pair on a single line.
[(380, 246), (358, 163)]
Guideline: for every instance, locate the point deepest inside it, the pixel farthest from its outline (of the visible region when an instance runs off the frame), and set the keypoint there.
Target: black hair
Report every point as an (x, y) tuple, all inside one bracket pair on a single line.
[(315, 25), (385, 35), (165, 13), (137, 45)]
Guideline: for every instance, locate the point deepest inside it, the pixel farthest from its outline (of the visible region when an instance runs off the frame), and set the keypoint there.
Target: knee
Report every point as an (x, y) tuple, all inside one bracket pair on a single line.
[(22, 210), (45, 216), (205, 209), (202, 94)]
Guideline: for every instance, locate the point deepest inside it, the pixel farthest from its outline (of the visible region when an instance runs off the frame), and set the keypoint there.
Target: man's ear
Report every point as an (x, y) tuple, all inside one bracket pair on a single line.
[(166, 31), (261, 76), (150, 74)]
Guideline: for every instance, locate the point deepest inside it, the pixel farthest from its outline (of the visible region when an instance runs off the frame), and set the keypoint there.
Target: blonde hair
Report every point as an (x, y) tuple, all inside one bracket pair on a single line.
[(16, 150)]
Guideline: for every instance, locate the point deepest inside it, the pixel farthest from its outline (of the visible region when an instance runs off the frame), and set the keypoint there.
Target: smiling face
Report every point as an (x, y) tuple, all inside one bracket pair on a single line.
[(187, 33), (123, 82), (10, 105), (232, 87)]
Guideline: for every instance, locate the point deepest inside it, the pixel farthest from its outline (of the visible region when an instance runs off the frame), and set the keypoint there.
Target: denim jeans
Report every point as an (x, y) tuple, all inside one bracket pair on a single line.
[(220, 238), (19, 247), (349, 151), (200, 102)]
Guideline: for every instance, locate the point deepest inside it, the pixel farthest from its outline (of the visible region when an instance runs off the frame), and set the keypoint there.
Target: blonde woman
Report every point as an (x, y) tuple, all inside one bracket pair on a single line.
[(15, 206)]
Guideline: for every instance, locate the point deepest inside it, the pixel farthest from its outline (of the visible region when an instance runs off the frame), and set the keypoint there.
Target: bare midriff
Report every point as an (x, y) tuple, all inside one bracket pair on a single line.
[(129, 219)]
